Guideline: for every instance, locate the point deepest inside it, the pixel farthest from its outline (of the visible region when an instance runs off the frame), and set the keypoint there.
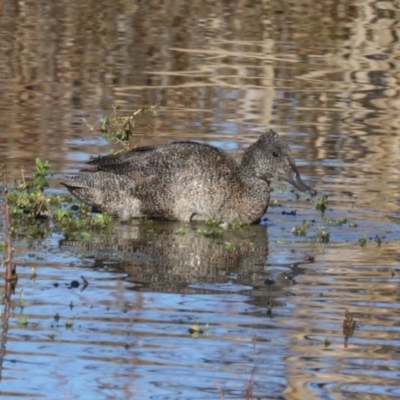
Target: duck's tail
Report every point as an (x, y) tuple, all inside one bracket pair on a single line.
[(100, 189)]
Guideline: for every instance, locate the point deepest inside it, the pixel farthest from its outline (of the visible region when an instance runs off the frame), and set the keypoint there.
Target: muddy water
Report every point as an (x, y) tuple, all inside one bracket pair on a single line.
[(270, 305)]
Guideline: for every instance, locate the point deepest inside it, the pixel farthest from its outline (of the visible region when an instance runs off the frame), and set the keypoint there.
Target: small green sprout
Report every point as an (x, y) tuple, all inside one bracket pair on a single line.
[(362, 241), (301, 230), (321, 203), (69, 324), (322, 236), (181, 231)]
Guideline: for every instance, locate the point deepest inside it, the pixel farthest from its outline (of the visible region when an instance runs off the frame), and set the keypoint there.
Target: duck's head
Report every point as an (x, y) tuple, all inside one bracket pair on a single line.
[(271, 156)]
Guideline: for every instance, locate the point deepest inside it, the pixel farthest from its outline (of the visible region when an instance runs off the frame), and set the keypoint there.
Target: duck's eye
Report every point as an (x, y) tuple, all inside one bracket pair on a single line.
[(275, 154)]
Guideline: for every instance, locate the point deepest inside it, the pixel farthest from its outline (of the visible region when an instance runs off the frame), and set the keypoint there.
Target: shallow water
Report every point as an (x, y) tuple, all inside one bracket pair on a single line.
[(270, 304)]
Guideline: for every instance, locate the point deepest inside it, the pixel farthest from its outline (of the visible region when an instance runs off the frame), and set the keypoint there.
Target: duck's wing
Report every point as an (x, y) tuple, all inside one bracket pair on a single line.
[(118, 163), (150, 161)]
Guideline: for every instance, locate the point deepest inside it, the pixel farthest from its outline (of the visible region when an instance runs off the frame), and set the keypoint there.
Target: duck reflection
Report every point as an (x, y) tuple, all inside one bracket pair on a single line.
[(163, 256)]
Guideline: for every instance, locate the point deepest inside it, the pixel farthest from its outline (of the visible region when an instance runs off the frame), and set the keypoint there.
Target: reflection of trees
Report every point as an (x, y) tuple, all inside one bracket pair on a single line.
[(217, 68)]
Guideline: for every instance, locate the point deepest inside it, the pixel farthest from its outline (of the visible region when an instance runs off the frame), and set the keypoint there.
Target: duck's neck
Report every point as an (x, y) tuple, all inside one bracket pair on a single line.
[(249, 166), (256, 182)]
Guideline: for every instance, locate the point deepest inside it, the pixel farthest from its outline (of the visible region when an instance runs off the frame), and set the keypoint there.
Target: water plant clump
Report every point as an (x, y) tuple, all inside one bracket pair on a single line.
[(362, 241), (301, 230), (337, 222), (322, 236), (211, 233), (36, 213), (321, 203), (121, 129)]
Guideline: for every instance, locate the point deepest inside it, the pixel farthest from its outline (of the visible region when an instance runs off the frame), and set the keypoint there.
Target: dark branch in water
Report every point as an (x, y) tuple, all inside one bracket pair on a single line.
[(9, 275), (9, 254)]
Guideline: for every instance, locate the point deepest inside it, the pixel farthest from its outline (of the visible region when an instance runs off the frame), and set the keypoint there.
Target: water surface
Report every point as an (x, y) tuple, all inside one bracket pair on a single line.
[(270, 305)]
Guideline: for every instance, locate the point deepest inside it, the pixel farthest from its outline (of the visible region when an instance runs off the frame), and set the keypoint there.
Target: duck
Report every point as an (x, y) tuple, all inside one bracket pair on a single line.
[(187, 181)]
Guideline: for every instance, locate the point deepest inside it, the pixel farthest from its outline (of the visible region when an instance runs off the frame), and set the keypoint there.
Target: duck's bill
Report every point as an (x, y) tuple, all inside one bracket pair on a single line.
[(293, 177)]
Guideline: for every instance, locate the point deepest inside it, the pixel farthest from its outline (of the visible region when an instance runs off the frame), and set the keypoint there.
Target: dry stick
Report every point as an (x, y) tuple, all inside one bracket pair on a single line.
[(8, 275), (8, 261)]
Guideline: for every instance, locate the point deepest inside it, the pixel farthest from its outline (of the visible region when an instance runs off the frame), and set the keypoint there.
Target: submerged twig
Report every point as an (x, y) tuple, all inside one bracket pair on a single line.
[(9, 275), (8, 240)]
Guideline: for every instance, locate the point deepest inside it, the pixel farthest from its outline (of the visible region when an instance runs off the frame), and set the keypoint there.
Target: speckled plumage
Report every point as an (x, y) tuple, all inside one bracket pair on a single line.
[(187, 181)]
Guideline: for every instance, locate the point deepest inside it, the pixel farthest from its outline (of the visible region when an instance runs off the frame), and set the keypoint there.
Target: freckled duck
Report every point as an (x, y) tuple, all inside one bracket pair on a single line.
[(187, 181)]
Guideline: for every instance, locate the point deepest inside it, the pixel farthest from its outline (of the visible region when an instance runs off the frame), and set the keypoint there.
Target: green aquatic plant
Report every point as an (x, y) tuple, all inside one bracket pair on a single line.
[(337, 222), (195, 330), (236, 225), (22, 321), (301, 230), (33, 274), (213, 222), (28, 203), (21, 298), (362, 241), (321, 203), (60, 213), (211, 233), (69, 323), (121, 129), (36, 213), (274, 203), (322, 236), (181, 231), (39, 179)]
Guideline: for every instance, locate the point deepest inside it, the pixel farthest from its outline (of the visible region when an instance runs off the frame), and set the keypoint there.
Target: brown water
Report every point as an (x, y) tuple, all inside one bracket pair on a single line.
[(271, 305)]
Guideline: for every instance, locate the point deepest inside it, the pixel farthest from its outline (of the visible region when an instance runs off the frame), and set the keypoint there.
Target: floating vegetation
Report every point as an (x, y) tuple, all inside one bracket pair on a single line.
[(362, 241), (322, 236), (22, 321), (33, 273), (120, 130), (321, 203), (35, 213), (211, 233), (69, 324), (301, 230), (213, 222), (181, 232), (274, 203), (337, 222), (195, 330), (236, 225)]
